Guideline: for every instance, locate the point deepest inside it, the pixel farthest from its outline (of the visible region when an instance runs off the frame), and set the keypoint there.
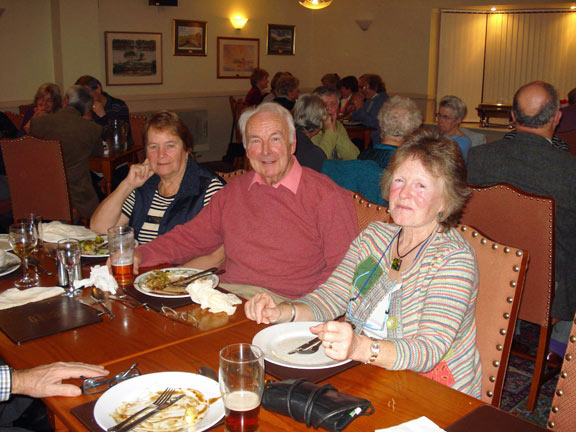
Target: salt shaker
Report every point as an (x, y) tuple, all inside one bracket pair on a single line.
[(63, 274)]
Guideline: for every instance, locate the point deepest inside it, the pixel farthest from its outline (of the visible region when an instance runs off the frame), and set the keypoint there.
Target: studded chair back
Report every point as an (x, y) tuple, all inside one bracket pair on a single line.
[(367, 211), (137, 129), (501, 272), (563, 412), (522, 220), (16, 119), (231, 175), (37, 178)]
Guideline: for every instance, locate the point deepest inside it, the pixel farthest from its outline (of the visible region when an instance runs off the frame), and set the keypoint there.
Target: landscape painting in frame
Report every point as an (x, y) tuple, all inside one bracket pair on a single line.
[(237, 57), (133, 58), (281, 39), (189, 38)]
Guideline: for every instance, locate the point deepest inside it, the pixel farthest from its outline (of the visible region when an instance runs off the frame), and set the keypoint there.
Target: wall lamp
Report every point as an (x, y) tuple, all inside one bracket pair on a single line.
[(238, 21)]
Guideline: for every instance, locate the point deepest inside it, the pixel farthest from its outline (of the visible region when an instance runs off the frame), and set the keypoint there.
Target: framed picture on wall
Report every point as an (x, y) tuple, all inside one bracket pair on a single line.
[(281, 39), (237, 57), (133, 58), (189, 38)]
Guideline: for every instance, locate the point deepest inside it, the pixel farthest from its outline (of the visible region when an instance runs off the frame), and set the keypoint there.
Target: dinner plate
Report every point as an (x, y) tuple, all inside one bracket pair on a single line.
[(12, 268), (5, 242), (86, 254), (140, 282), (134, 388), (277, 340)]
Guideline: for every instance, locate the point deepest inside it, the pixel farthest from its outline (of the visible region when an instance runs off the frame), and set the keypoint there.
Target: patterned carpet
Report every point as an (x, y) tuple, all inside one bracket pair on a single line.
[(518, 379)]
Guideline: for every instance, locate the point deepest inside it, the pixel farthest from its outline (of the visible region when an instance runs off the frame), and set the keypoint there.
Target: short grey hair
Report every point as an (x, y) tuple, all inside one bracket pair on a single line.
[(271, 108), (80, 99), (456, 104), (399, 116), (546, 113), (310, 112)]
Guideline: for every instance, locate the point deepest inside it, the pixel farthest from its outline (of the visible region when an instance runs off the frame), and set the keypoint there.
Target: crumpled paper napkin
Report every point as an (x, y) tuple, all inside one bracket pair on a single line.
[(101, 278), (14, 297), (55, 231), (215, 301), (421, 424)]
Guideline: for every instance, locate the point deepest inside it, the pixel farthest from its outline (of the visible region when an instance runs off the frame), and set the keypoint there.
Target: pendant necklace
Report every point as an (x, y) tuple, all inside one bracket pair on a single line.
[(397, 262)]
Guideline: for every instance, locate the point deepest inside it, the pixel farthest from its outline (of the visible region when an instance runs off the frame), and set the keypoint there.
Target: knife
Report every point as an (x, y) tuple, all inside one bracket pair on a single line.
[(305, 345), (139, 420)]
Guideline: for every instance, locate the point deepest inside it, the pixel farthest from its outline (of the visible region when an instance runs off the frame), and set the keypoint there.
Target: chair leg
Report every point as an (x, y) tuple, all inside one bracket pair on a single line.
[(543, 343)]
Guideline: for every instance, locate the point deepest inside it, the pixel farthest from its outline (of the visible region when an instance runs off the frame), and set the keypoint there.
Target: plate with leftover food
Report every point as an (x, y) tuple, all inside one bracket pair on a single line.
[(171, 282)]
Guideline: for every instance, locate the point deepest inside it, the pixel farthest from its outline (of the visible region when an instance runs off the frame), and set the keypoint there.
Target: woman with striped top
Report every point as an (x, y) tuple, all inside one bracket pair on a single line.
[(167, 189), (407, 290)]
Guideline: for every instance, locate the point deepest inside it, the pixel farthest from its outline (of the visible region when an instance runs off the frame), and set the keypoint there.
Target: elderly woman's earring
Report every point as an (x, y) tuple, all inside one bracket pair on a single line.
[(440, 216)]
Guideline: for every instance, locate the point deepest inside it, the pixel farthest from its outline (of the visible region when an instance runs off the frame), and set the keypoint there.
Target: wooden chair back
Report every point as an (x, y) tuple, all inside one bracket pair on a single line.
[(17, 119), (137, 124), (37, 178), (227, 176), (570, 138), (235, 147), (367, 211), (522, 220), (563, 411), (23, 109), (501, 272)]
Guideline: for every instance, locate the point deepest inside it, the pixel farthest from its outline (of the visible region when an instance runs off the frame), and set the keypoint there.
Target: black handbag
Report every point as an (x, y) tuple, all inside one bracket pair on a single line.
[(316, 406)]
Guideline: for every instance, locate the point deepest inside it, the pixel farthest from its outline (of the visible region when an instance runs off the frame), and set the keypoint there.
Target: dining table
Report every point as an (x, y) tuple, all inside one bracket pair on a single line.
[(158, 344), (105, 161)]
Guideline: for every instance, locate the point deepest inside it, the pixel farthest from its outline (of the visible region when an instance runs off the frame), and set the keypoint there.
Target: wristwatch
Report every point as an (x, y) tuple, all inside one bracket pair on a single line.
[(374, 351)]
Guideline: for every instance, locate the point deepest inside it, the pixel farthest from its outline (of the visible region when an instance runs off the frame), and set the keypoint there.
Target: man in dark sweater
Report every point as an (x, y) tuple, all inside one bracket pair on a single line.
[(530, 162)]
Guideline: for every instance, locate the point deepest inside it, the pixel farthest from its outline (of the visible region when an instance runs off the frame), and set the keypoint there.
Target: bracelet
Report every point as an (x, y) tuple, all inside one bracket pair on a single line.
[(293, 311), (374, 351)]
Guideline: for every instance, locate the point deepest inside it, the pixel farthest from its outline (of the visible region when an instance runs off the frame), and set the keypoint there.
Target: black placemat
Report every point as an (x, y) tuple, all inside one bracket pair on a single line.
[(313, 375), (156, 303), (44, 318), (489, 418)]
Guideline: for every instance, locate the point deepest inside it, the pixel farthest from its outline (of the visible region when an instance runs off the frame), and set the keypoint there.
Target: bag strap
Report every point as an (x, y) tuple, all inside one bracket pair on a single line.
[(312, 399), (289, 396)]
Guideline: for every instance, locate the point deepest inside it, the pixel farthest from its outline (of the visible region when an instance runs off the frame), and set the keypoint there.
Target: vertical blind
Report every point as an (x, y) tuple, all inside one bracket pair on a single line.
[(518, 47)]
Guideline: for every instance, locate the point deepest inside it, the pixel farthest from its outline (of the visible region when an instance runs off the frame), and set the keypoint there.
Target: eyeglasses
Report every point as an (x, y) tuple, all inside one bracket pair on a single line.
[(100, 384), (183, 317), (443, 117)]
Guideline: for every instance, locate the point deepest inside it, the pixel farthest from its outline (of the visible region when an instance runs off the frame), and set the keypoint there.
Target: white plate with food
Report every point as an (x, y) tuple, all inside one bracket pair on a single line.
[(278, 340), (193, 412), (11, 264), (96, 247), (154, 282)]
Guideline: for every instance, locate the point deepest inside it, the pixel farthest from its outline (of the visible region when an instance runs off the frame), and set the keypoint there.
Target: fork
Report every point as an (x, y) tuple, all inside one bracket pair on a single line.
[(309, 347), (164, 397)]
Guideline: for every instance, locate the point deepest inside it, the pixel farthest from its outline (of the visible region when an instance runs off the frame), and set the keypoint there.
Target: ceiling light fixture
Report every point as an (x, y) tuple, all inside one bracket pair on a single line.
[(315, 4)]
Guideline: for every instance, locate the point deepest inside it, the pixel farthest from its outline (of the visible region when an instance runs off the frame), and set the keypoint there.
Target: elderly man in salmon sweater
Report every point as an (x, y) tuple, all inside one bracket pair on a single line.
[(281, 228)]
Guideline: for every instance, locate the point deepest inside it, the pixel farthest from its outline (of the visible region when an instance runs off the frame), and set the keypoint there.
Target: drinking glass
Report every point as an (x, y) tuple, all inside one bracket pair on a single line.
[(36, 220), (23, 239), (241, 377), (121, 247), (69, 254)]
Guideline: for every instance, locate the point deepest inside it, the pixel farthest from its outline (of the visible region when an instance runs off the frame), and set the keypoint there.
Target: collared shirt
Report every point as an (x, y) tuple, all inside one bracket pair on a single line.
[(291, 181), (5, 383)]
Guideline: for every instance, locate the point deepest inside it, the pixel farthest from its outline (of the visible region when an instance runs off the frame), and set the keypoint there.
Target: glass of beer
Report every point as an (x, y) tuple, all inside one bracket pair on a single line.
[(241, 384), (121, 247)]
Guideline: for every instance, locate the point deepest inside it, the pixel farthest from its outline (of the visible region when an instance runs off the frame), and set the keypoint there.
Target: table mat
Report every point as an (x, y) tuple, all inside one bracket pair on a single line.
[(45, 318), (156, 303), (313, 375), (489, 418), (85, 414)]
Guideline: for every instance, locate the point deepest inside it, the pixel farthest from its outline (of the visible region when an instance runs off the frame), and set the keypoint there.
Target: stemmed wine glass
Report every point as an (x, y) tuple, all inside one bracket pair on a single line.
[(69, 252), (23, 238)]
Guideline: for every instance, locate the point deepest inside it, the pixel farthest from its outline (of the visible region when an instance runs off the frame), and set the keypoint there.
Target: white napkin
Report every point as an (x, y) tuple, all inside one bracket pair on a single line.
[(421, 424), (14, 297), (215, 301), (101, 278), (56, 231)]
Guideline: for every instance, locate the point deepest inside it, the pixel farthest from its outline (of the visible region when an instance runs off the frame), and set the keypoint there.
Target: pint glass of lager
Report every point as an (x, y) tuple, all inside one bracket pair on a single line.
[(121, 247), (241, 384)]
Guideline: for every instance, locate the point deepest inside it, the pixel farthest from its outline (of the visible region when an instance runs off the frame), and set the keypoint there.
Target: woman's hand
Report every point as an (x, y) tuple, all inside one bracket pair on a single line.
[(330, 122), (262, 309), (358, 101), (138, 174), (339, 339)]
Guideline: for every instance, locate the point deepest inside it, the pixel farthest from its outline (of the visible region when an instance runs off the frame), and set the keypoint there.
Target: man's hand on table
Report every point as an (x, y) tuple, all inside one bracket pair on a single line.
[(46, 380)]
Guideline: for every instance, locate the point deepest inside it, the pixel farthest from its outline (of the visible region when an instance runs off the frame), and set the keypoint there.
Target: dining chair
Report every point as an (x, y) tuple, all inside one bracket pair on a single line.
[(236, 151), (227, 176), (563, 411), (137, 124), (501, 271), (570, 138), (367, 211), (522, 220), (37, 178), (17, 119)]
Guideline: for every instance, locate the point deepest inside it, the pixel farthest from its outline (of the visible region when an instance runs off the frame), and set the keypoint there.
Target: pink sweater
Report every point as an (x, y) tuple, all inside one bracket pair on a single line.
[(289, 243)]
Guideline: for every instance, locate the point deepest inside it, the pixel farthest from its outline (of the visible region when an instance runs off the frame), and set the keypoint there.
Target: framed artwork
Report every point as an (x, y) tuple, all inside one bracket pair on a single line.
[(281, 39), (133, 58), (237, 57), (189, 38)]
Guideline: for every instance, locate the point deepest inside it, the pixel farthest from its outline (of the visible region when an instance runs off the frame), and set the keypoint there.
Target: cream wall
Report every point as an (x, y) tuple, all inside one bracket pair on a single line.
[(59, 40)]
